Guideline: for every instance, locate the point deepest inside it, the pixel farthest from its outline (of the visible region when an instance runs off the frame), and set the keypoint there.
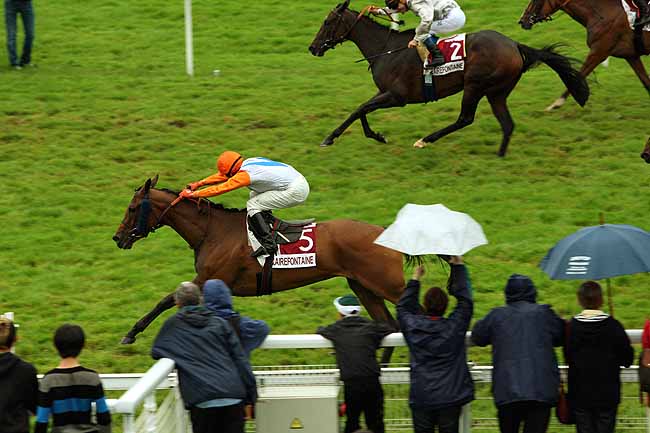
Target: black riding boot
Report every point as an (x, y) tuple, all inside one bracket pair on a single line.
[(437, 58), (644, 13), (262, 232)]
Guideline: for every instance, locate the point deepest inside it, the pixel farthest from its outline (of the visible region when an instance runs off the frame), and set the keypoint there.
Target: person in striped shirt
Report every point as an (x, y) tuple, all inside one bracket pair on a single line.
[(67, 392), (273, 185)]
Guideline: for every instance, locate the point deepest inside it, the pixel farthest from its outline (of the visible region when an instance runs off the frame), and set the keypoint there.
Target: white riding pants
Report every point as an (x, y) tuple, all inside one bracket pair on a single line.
[(294, 195), (451, 23)]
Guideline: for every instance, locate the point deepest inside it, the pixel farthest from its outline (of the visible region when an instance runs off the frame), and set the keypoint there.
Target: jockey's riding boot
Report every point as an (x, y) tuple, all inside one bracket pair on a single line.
[(437, 58), (644, 13), (262, 232)]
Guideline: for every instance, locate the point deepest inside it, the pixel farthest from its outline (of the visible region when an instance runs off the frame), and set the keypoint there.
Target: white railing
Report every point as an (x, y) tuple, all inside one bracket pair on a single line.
[(160, 376)]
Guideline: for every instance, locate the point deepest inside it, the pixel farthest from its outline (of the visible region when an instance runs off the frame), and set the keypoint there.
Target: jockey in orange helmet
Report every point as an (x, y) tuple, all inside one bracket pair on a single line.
[(273, 185)]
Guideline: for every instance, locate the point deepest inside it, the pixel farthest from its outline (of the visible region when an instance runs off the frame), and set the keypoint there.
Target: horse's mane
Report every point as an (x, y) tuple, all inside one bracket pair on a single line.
[(384, 23), (212, 204)]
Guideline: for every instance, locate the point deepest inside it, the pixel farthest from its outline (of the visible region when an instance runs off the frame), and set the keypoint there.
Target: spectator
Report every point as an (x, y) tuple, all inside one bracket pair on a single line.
[(440, 380), (66, 392), (525, 376), (26, 11), (596, 348), (356, 340), (251, 332), (215, 377), (18, 384)]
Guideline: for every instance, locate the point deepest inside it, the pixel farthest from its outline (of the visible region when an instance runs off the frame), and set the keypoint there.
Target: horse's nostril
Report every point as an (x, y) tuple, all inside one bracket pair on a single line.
[(116, 238)]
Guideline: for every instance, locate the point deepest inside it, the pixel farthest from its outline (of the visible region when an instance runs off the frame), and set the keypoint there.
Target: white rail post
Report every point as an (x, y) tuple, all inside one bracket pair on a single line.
[(466, 418), (189, 43), (150, 410), (647, 416), (181, 425), (128, 423)]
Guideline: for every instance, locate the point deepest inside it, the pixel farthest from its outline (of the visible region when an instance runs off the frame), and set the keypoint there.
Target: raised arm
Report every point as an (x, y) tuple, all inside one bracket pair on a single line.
[(460, 287), (210, 180), (239, 180)]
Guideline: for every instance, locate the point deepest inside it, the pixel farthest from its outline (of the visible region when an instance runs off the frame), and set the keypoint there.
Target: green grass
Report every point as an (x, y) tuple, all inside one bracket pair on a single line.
[(109, 105)]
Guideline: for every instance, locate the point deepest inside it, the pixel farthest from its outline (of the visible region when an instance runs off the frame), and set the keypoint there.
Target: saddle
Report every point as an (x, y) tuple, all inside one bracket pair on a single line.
[(285, 232)]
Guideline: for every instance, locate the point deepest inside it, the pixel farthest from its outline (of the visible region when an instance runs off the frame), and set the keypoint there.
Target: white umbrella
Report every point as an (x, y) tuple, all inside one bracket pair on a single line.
[(432, 229)]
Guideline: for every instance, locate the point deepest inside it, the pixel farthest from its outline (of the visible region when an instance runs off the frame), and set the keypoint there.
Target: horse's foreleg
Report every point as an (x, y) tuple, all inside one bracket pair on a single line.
[(377, 309), (369, 132), (596, 56), (466, 117), (640, 71), (380, 100), (166, 303)]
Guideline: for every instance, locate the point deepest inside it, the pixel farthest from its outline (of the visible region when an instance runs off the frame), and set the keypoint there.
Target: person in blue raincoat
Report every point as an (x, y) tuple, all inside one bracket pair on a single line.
[(251, 332), (525, 378), (440, 380)]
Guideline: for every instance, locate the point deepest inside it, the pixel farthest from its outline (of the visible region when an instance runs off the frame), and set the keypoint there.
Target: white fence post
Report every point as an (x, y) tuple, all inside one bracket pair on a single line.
[(189, 43), (128, 423), (150, 410), (181, 424), (647, 416), (466, 419)]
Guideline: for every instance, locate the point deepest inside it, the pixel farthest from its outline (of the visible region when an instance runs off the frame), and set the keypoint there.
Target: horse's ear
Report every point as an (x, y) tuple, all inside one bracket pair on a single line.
[(345, 5), (154, 181), (147, 185)]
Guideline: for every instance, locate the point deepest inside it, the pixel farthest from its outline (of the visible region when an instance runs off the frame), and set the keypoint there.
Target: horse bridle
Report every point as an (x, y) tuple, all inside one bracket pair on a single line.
[(141, 230), (331, 43), (535, 18)]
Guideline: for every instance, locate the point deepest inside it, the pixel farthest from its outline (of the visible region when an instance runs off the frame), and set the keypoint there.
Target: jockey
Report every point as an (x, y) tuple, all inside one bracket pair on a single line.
[(273, 185), (436, 17)]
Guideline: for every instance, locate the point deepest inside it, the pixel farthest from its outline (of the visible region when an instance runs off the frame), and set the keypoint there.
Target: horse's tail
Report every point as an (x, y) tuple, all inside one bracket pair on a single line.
[(570, 76)]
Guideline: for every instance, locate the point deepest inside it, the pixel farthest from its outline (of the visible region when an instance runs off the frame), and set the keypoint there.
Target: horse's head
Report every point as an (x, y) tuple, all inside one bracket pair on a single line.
[(538, 11), (646, 152), (138, 220), (335, 29)]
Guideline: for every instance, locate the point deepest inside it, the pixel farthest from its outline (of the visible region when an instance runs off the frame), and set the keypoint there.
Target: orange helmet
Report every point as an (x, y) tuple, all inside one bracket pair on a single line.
[(229, 163)]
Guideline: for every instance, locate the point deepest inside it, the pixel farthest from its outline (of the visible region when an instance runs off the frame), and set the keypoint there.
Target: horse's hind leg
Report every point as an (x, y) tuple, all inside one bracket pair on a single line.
[(166, 303), (465, 118), (380, 100), (500, 110), (377, 310)]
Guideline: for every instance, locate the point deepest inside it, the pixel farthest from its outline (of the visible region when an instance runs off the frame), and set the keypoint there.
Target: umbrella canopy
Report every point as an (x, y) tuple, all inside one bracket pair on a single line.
[(598, 252), (433, 229)]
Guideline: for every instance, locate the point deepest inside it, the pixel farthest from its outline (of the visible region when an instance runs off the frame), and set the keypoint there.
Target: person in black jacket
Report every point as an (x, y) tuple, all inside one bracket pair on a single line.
[(18, 384), (440, 380), (215, 377), (356, 340), (596, 348), (525, 375)]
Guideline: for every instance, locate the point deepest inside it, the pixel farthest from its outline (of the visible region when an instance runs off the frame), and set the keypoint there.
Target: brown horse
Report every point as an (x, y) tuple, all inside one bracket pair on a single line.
[(646, 152), (608, 33), (493, 67), (344, 248)]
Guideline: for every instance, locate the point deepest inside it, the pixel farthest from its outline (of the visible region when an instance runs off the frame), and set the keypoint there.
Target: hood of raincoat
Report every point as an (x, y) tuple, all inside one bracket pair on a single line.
[(520, 288), (217, 298)]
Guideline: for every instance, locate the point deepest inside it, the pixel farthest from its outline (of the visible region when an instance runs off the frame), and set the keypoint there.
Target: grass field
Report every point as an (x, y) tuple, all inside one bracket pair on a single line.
[(109, 105)]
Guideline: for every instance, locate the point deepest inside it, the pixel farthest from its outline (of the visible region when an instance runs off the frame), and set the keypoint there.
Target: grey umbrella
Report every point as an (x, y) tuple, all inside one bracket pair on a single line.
[(598, 252)]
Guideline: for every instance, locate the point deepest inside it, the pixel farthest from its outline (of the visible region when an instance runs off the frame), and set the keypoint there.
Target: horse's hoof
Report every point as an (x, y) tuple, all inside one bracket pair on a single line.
[(419, 144), (128, 340), (555, 105), (380, 138), (327, 142)]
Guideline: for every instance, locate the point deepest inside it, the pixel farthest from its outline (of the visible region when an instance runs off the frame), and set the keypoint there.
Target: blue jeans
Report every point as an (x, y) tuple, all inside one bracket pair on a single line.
[(12, 9)]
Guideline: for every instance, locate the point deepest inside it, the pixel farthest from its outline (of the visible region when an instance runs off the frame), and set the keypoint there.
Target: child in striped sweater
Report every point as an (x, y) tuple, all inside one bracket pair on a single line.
[(65, 393)]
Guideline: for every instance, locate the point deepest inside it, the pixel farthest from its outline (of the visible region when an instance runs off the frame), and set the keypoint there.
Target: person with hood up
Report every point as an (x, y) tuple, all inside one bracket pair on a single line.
[(356, 340), (440, 380), (525, 375), (251, 332), (18, 384), (596, 348), (215, 378)]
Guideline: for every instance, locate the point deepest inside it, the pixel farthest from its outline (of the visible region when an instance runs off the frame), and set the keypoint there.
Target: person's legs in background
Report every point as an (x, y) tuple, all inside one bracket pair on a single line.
[(11, 11), (27, 14)]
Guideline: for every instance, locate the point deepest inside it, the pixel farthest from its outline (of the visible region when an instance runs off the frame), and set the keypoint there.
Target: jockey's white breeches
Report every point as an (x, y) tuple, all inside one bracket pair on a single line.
[(294, 195), (454, 21)]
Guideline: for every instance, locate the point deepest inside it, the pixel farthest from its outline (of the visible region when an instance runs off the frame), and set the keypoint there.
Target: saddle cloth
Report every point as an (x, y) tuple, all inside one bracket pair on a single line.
[(453, 50), (632, 12), (296, 242)]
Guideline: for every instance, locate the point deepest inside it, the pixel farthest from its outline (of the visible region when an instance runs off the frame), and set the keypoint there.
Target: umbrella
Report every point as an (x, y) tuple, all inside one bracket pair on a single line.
[(432, 229), (598, 252), (603, 251)]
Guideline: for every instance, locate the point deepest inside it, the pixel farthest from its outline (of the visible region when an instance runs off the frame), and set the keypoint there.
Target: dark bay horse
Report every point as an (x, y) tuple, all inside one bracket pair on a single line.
[(344, 248), (608, 33), (493, 66)]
